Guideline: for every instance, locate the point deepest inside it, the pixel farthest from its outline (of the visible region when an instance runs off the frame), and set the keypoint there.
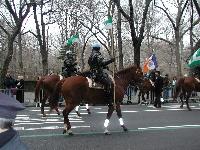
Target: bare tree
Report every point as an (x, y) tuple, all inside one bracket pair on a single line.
[(136, 39), (12, 31)]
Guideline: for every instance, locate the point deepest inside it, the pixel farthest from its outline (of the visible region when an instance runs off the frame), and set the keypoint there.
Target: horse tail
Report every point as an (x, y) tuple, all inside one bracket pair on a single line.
[(37, 89), (178, 88), (57, 91)]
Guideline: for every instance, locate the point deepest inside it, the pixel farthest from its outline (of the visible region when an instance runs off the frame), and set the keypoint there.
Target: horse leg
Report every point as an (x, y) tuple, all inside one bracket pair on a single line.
[(87, 107), (181, 98), (139, 97), (143, 98), (58, 112), (77, 112), (187, 99), (119, 114), (67, 125), (43, 104), (106, 122)]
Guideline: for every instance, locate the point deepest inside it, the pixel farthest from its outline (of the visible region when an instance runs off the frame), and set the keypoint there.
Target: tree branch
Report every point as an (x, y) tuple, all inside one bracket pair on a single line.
[(121, 10), (168, 16), (6, 32), (162, 39)]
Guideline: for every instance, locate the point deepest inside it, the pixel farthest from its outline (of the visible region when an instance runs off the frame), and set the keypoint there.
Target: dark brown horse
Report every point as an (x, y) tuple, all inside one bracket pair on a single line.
[(76, 89), (185, 86), (145, 88), (47, 84)]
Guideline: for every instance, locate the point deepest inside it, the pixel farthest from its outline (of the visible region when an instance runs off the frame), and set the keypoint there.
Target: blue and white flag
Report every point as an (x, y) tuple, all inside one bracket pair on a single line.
[(152, 62)]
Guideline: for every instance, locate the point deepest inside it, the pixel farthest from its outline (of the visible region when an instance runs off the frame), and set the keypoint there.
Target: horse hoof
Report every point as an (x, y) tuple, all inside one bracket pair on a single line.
[(64, 131), (44, 115), (181, 106), (125, 129), (107, 133), (58, 114), (189, 109), (71, 134)]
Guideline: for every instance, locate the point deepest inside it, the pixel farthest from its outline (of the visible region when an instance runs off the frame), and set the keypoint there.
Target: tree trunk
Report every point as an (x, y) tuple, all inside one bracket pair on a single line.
[(137, 53), (20, 52), (8, 59), (177, 53), (42, 41), (119, 31)]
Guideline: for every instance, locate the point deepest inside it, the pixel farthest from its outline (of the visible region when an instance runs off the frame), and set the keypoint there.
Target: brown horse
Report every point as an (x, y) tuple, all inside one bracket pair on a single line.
[(47, 84), (145, 88), (76, 89), (185, 86)]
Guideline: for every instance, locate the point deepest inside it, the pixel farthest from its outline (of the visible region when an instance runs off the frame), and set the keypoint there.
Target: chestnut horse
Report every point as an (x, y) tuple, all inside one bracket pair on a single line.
[(145, 88), (185, 86), (47, 84), (76, 89)]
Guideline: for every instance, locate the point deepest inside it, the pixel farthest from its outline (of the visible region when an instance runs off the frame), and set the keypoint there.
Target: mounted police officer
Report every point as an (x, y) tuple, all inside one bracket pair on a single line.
[(99, 74), (69, 68)]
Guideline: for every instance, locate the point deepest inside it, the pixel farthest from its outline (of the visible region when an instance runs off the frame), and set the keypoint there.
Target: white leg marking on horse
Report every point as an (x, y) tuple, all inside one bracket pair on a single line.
[(121, 121), (77, 108), (106, 123), (65, 126), (87, 106)]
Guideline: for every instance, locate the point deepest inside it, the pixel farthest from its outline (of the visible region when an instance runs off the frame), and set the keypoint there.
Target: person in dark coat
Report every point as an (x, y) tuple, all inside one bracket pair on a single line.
[(9, 84), (20, 89), (69, 68), (9, 138), (97, 65), (158, 89)]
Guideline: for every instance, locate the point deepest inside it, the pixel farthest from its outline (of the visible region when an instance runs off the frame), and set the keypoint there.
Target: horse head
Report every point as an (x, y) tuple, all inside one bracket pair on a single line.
[(137, 76)]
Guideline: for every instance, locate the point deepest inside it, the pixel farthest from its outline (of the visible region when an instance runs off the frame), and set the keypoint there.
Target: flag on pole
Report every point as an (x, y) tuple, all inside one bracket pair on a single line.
[(108, 23), (195, 59), (152, 62), (145, 67), (72, 40)]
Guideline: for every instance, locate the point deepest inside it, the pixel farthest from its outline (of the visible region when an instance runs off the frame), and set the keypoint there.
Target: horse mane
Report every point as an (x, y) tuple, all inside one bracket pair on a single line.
[(126, 70)]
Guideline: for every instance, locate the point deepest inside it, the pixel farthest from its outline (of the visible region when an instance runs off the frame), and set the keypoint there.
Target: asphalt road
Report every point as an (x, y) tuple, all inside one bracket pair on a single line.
[(168, 128)]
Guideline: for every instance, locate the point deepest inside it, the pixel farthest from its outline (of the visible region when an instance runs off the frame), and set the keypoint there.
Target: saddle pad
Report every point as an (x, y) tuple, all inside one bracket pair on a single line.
[(93, 84)]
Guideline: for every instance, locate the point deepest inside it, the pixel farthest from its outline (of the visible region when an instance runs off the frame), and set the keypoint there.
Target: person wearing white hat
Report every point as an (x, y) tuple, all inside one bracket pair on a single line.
[(9, 138)]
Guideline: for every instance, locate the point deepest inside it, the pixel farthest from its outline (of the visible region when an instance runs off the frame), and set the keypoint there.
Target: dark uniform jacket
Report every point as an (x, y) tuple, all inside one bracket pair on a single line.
[(158, 84), (96, 61), (10, 140), (69, 67)]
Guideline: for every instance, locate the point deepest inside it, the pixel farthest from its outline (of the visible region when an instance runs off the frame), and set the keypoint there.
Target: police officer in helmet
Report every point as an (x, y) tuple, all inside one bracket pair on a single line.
[(69, 68), (97, 65)]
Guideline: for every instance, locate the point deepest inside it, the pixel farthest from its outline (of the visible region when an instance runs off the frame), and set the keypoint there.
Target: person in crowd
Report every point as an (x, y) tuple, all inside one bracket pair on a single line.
[(69, 68), (97, 65), (174, 79), (9, 138), (20, 89), (9, 84), (166, 83), (158, 89)]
